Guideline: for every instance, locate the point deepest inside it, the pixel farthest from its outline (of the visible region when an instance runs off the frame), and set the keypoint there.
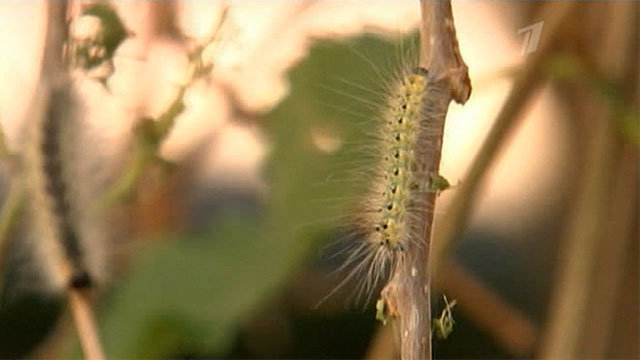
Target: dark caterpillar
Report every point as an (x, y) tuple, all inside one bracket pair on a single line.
[(53, 167), (57, 234)]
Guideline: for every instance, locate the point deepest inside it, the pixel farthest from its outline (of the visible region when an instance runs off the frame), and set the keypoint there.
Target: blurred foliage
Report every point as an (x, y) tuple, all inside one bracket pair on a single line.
[(94, 51), (571, 67), (192, 294), (443, 325)]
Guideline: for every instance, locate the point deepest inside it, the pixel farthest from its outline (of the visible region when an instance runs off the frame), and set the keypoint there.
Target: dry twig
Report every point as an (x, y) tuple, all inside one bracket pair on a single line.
[(85, 324), (407, 293), (505, 323), (574, 328)]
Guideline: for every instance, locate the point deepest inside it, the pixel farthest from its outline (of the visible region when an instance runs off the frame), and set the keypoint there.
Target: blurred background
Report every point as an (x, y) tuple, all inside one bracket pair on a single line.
[(225, 227)]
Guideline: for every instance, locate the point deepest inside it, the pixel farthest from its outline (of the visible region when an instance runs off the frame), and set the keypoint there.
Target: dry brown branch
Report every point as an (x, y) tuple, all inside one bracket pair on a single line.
[(407, 293), (610, 271), (584, 294), (577, 258), (506, 324), (439, 49), (85, 324)]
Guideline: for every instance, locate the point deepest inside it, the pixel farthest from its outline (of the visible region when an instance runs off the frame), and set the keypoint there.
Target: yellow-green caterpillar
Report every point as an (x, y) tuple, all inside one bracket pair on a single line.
[(400, 164), (391, 214)]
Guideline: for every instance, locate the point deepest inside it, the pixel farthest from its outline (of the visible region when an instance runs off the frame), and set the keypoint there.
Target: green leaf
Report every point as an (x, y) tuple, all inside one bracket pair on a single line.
[(438, 183), (192, 294)]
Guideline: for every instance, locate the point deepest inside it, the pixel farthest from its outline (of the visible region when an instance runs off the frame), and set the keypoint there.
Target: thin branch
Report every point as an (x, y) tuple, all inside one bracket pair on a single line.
[(407, 293), (439, 49), (509, 326), (608, 278), (578, 256), (85, 324), (571, 320), (509, 116), (56, 33)]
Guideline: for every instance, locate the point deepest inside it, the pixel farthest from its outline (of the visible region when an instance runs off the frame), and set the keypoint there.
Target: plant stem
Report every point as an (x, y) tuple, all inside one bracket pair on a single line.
[(85, 324), (483, 306), (407, 293)]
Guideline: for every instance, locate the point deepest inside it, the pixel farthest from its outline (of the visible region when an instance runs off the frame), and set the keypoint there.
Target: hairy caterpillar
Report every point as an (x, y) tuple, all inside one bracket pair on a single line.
[(58, 230), (390, 215)]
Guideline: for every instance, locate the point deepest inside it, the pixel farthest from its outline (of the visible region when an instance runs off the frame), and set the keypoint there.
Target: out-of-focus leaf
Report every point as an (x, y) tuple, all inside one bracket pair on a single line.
[(113, 31), (566, 66), (192, 295), (629, 126), (322, 133)]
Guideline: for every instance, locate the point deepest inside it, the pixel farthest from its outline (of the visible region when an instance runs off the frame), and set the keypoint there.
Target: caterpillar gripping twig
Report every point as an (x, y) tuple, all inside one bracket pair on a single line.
[(391, 215), (399, 162)]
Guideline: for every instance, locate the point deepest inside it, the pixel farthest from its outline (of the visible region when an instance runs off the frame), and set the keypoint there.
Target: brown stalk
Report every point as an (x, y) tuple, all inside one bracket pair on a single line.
[(602, 218), (407, 293), (578, 256), (506, 324), (85, 324), (610, 270)]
